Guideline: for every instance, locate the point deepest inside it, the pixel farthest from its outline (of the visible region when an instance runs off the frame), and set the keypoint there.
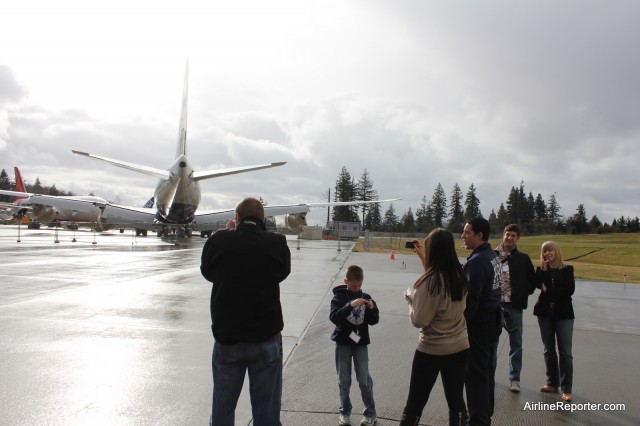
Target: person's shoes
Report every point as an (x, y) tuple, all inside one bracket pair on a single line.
[(368, 421), (515, 386), (567, 397), (344, 420), (548, 389)]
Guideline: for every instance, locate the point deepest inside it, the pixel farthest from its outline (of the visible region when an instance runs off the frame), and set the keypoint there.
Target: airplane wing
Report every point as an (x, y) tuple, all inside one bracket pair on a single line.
[(136, 217), (231, 171)]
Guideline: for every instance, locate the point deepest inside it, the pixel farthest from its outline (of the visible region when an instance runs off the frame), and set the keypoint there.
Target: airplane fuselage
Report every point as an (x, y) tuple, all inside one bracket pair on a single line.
[(178, 197)]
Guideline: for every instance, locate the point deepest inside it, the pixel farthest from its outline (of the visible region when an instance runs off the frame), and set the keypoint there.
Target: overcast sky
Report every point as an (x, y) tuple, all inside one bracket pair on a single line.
[(417, 92)]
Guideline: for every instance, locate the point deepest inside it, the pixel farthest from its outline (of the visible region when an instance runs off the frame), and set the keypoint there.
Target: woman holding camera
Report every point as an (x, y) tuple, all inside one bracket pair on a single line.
[(555, 318), (436, 305)]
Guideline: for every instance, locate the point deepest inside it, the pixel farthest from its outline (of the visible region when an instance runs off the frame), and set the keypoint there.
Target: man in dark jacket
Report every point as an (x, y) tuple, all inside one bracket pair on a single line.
[(483, 320), (246, 265), (518, 282)]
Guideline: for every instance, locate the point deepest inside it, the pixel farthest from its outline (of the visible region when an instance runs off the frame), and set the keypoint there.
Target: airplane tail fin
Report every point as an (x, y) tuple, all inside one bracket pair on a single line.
[(20, 187), (182, 131)]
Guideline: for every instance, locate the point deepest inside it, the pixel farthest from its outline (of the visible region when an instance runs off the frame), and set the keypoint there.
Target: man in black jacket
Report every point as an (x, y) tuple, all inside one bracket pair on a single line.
[(246, 265), (483, 320), (518, 282)]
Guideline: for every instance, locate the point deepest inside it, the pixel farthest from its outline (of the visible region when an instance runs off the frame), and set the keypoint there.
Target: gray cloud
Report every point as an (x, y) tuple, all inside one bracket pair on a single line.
[(417, 93)]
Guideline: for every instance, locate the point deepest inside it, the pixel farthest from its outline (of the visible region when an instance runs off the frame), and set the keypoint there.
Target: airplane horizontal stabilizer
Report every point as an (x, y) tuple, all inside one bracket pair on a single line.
[(151, 171), (231, 171)]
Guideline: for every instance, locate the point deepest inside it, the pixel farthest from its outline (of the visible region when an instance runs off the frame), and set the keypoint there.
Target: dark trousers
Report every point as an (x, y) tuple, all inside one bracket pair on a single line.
[(480, 375), (424, 373)]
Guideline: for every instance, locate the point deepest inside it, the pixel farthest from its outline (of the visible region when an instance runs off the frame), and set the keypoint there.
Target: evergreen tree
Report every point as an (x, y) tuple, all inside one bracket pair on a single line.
[(539, 209), (424, 217), (493, 221), (345, 191), (456, 213), (37, 187), (501, 217), (5, 184), (439, 206), (577, 223), (390, 221), (408, 221), (595, 224), (553, 211), (365, 192), (471, 204), (373, 220)]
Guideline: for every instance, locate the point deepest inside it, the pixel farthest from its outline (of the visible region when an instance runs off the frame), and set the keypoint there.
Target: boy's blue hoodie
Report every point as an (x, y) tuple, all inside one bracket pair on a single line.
[(348, 319)]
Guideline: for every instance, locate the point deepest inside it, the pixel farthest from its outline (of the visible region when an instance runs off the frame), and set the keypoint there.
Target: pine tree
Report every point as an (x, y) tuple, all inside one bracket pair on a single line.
[(422, 217), (365, 192), (408, 221), (373, 220), (553, 211), (5, 184), (439, 206), (540, 210), (471, 204), (390, 221), (502, 217), (456, 213), (345, 191)]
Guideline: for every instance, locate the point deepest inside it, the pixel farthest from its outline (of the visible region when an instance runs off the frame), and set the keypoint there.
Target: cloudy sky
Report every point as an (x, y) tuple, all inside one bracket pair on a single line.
[(417, 92)]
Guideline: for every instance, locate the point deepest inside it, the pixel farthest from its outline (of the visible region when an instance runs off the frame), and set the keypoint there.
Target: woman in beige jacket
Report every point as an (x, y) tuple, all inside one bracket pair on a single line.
[(436, 306)]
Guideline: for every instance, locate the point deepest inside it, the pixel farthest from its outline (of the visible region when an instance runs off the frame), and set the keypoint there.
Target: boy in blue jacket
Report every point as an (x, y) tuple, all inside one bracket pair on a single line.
[(353, 311)]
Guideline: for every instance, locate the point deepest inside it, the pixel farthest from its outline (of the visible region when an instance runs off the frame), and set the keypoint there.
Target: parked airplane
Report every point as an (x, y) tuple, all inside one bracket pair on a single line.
[(177, 195), (64, 211)]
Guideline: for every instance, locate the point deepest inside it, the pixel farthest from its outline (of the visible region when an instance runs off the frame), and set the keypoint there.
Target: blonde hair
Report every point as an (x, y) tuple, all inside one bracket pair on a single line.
[(551, 245)]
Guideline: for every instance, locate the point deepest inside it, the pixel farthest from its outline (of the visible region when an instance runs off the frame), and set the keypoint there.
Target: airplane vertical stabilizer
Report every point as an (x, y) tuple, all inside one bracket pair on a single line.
[(182, 131), (20, 187)]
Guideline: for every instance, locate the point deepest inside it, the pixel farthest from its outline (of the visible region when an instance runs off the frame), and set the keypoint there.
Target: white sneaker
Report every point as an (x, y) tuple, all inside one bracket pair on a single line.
[(368, 421), (344, 420), (515, 386)]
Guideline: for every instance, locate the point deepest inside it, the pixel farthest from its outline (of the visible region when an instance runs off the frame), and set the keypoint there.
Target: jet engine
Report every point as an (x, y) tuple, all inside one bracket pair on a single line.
[(44, 214), (295, 221)]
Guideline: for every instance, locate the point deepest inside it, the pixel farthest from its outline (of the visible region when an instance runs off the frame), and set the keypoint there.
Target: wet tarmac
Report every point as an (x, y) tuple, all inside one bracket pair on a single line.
[(118, 333)]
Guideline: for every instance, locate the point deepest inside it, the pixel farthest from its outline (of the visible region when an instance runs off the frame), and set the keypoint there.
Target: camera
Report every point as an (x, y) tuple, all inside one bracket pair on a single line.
[(409, 245)]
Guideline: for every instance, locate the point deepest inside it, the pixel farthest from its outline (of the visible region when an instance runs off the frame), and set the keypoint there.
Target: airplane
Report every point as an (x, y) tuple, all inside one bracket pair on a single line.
[(64, 211), (177, 195)]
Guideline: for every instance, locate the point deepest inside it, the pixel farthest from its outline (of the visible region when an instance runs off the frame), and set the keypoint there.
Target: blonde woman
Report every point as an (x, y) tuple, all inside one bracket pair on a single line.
[(555, 318)]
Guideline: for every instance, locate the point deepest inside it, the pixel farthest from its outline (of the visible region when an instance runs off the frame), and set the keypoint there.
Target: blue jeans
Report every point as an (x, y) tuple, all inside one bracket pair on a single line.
[(515, 343), (558, 373), (360, 356), (230, 363)]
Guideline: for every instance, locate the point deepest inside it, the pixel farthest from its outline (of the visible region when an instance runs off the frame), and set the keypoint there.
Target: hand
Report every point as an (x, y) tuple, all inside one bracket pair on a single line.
[(231, 224), (544, 288), (357, 302), (370, 304)]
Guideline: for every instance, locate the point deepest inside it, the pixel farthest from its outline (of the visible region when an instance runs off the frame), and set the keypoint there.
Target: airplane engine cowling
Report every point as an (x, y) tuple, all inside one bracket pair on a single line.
[(295, 221), (44, 214)]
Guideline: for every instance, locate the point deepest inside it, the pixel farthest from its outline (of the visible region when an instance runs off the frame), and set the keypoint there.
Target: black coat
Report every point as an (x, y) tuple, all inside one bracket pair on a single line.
[(522, 278), (351, 320), (556, 301), (246, 266)]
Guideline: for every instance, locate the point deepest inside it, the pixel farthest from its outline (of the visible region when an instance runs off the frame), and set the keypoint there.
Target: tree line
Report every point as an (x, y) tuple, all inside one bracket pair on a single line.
[(36, 188), (535, 215)]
